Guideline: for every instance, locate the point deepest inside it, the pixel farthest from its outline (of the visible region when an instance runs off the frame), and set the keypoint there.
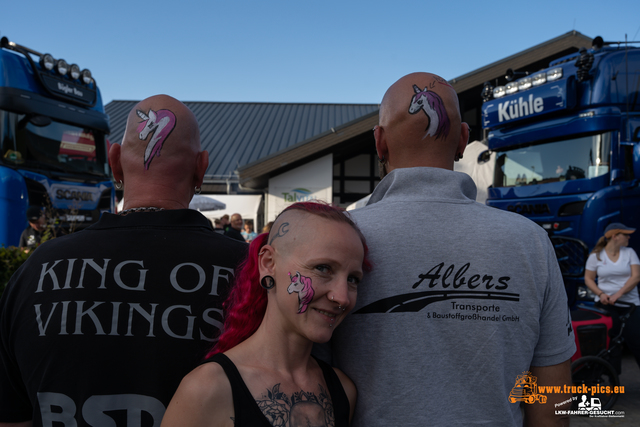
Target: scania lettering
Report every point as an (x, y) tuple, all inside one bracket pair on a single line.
[(567, 148), (53, 151)]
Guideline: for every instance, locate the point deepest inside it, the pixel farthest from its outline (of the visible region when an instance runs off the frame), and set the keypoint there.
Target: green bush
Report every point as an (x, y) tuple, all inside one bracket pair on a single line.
[(11, 259)]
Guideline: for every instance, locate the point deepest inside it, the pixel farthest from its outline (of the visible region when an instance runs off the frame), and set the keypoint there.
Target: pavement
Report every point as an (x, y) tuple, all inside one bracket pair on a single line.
[(629, 402)]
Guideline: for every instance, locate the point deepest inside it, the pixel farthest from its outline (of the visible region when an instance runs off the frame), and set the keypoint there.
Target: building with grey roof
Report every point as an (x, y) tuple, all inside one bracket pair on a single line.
[(292, 152)]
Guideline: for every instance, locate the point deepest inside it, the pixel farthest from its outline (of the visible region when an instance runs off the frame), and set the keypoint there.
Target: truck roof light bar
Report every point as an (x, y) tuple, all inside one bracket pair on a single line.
[(51, 72)]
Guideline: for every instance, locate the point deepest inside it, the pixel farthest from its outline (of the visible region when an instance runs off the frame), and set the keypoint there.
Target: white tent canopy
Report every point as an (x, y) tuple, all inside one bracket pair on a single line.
[(201, 202), (246, 205)]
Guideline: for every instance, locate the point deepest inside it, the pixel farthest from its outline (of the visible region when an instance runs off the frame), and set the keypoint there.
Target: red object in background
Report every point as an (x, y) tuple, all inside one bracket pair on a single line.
[(591, 329), (78, 145)]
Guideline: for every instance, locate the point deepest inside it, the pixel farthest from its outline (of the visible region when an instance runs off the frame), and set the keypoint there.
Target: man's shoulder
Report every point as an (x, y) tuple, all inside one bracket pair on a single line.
[(483, 214)]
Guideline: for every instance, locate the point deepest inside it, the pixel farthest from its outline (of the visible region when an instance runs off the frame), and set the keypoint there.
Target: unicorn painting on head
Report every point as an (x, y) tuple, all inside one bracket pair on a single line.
[(159, 124), (432, 105)]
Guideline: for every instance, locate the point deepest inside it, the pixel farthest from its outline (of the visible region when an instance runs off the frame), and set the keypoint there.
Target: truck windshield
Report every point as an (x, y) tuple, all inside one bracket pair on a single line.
[(39, 143), (577, 158)]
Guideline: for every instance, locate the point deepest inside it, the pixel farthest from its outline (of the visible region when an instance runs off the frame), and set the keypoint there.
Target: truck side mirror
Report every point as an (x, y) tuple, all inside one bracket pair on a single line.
[(40, 121), (484, 157)]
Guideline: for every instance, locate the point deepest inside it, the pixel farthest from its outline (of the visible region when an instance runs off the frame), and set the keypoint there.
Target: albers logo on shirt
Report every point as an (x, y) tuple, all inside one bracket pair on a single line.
[(448, 284)]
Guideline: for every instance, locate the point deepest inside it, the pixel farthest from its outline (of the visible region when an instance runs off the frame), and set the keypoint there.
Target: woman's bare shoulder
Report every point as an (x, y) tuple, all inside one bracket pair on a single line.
[(203, 399)]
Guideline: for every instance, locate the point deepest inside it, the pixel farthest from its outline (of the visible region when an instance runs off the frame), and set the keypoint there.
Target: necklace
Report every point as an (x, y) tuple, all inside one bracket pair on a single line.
[(142, 209)]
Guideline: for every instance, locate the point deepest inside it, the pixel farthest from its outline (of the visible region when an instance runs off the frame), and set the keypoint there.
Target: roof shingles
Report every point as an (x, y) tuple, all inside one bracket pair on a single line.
[(237, 134)]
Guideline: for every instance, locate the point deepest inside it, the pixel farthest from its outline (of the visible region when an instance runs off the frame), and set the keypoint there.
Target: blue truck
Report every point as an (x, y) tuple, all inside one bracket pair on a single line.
[(567, 150), (53, 147)]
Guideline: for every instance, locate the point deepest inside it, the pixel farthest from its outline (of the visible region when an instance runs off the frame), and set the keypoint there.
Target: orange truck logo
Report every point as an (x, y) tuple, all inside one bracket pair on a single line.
[(526, 390)]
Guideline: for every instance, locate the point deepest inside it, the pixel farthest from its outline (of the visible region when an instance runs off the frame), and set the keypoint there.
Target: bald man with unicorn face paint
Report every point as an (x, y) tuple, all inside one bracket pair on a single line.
[(420, 125), (137, 296), (160, 163), (459, 308)]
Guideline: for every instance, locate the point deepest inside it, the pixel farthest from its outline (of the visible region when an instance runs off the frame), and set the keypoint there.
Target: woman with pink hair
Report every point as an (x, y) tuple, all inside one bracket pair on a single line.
[(296, 285)]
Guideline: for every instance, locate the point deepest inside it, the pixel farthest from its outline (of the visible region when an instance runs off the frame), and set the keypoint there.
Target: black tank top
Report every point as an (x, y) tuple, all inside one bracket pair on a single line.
[(247, 412)]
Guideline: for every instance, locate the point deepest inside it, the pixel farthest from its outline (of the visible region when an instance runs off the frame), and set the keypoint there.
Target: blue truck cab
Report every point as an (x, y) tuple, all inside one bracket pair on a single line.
[(53, 150), (567, 150)]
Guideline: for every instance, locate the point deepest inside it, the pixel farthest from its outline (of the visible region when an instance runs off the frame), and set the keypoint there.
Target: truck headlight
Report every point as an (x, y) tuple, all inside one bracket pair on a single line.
[(47, 62), (86, 76), (511, 88), (74, 71), (499, 92), (525, 83), (538, 79), (554, 74), (62, 67)]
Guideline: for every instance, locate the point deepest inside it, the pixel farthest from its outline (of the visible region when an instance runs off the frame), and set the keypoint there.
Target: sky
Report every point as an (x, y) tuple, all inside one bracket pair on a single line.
[(294, 51)]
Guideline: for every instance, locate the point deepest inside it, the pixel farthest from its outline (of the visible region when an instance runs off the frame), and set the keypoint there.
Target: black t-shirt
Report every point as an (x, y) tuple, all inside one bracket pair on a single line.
[(234, 234), (100, 326), (30, 238)]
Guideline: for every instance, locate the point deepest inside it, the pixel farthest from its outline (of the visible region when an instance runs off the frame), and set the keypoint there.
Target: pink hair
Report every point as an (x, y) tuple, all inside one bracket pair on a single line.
[(247, 300)]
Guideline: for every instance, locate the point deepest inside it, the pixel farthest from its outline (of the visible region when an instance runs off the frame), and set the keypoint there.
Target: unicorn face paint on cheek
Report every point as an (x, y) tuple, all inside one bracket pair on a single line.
[(159, 124), (432, 105), (301, 285)]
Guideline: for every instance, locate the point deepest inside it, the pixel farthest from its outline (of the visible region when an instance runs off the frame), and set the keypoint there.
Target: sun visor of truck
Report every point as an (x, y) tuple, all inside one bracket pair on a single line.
[(58, 86), (23, 102)]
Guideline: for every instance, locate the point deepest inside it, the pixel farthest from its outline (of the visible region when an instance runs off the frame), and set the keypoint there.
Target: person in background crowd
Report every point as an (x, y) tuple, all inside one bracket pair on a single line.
[(235, 227), (295, 287), (618, 271), (32, 235), (217, 226), (248, 232), (452, 316), (99, 327), (224, 221), (267, 227)]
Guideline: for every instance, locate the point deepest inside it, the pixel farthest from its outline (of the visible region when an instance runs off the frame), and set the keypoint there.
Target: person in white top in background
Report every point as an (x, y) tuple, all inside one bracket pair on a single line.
[(618, 270)]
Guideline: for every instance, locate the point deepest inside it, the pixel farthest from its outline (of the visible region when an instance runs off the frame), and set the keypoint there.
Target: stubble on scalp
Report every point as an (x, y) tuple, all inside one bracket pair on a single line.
[(290, 229)]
